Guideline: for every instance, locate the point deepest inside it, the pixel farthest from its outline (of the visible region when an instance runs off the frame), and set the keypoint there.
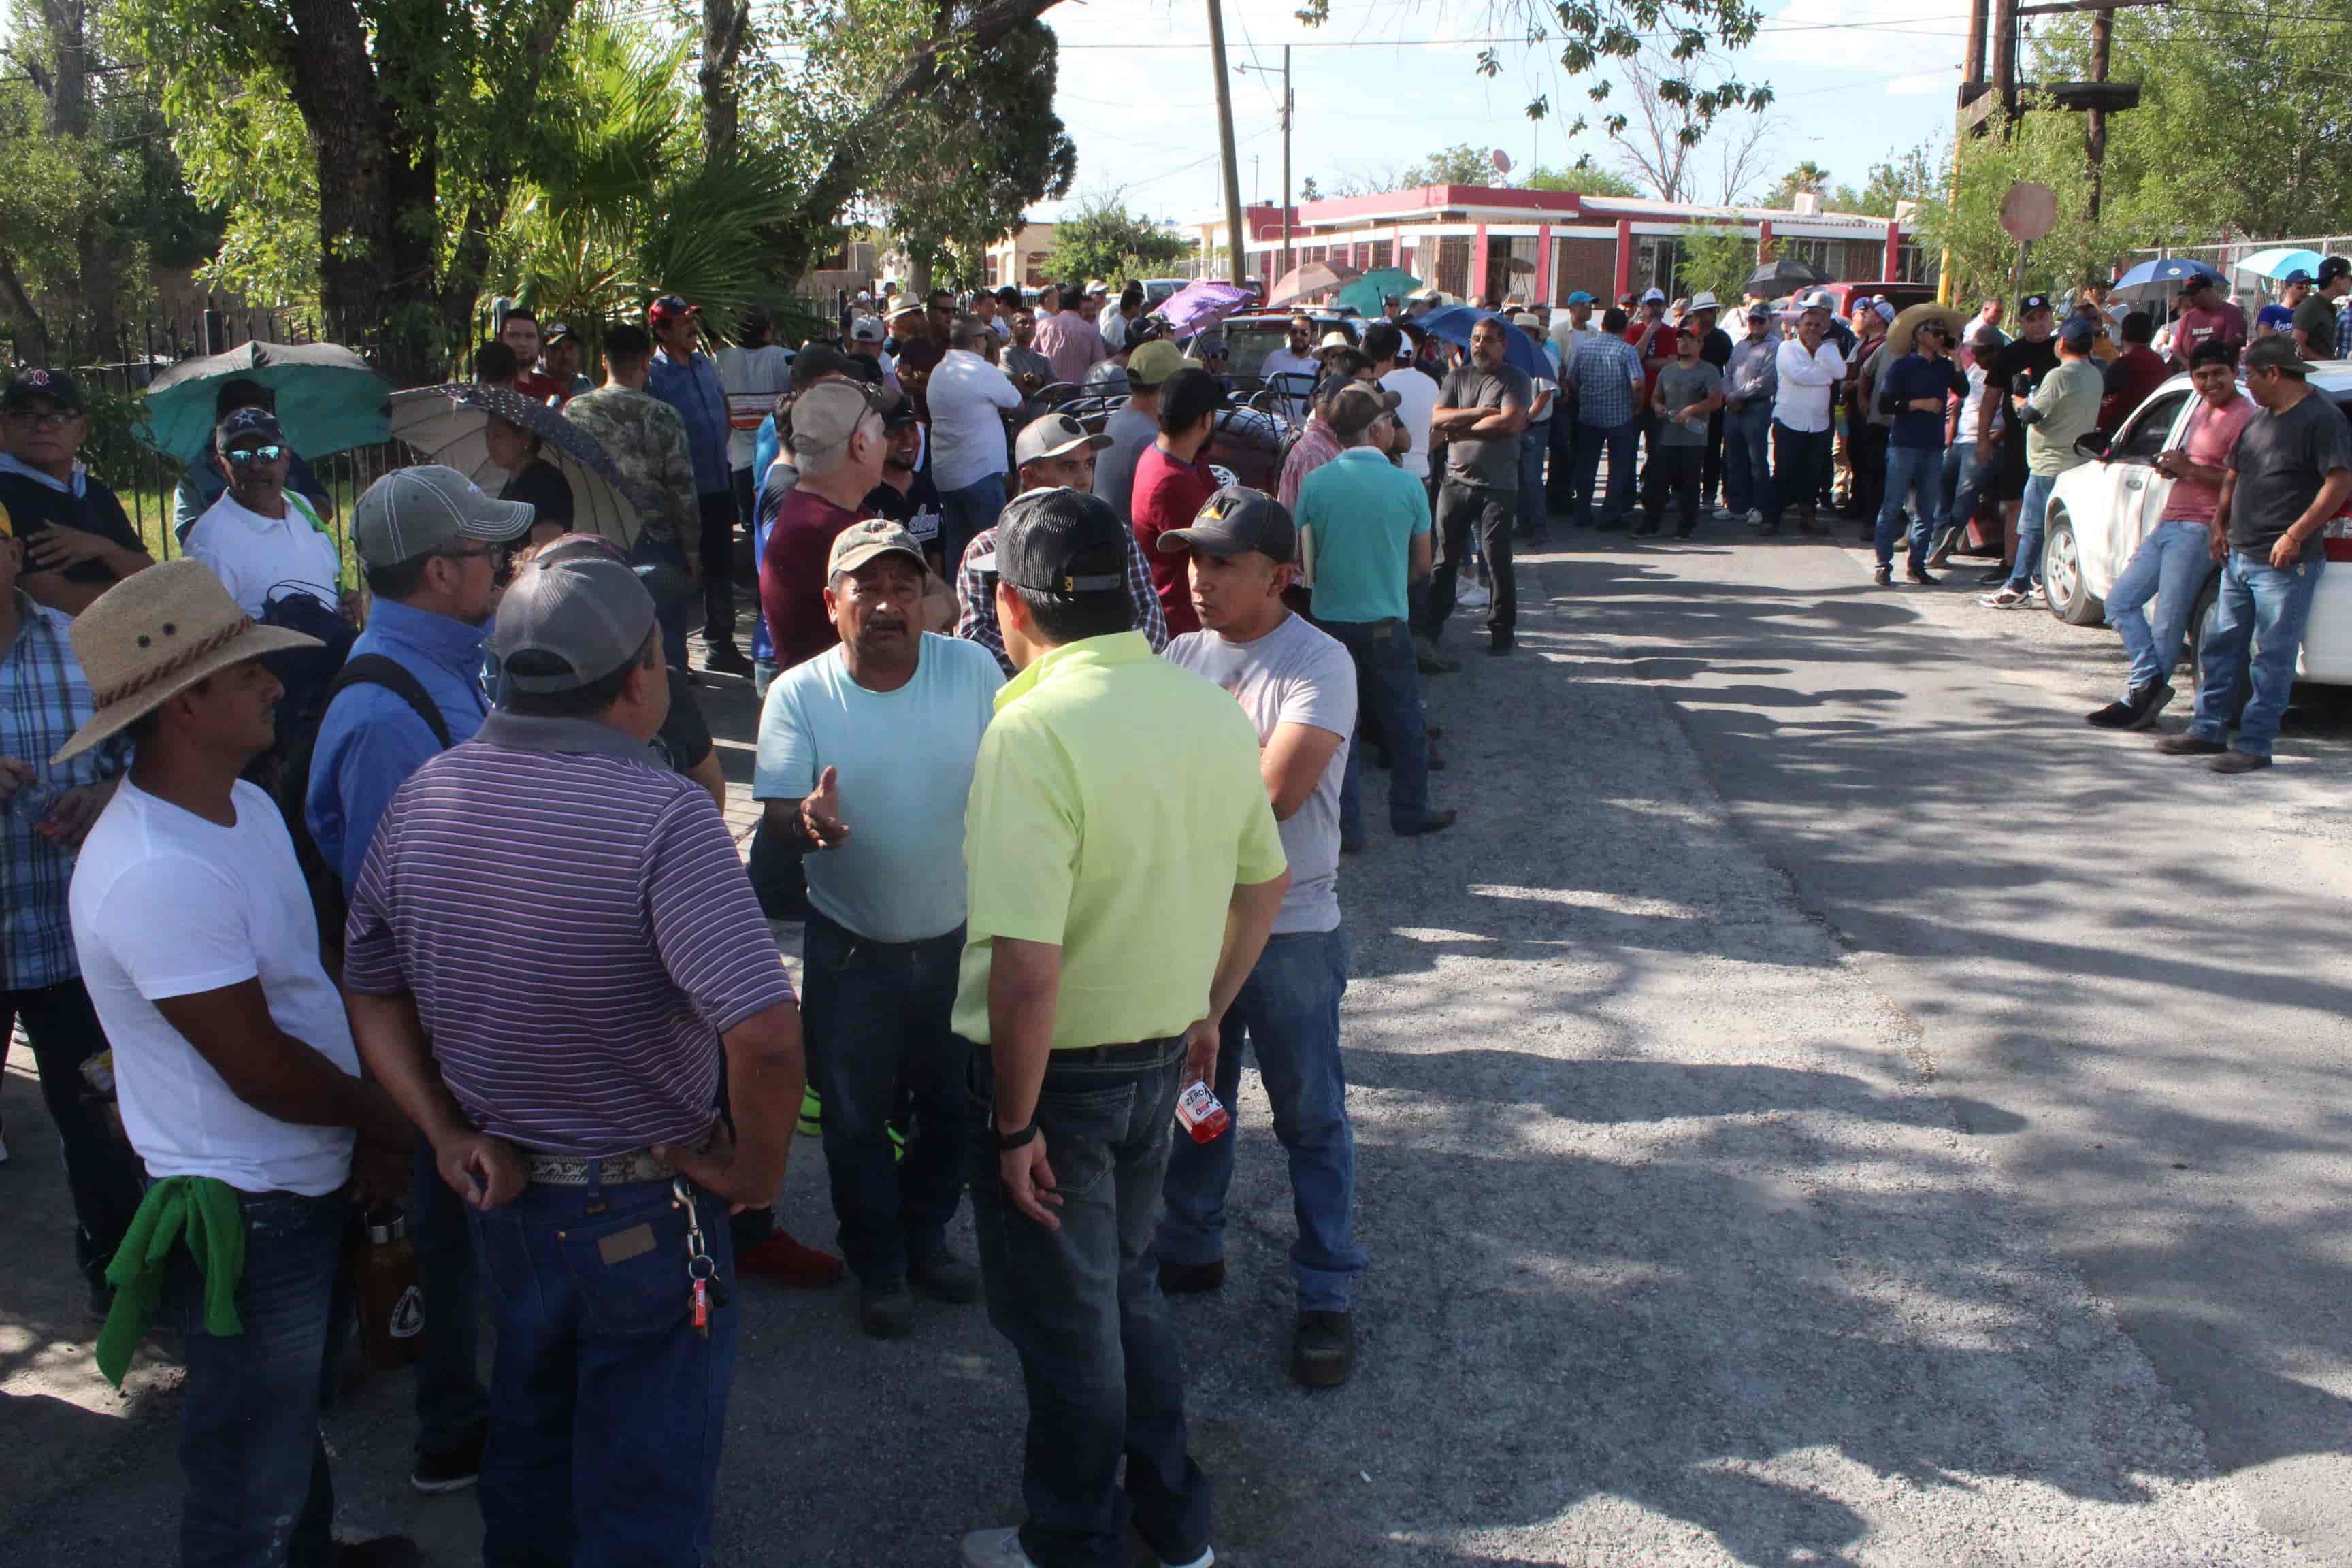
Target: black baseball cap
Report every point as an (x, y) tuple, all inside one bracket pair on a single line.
[(1233, 522), (55, 385), (1060, 541), (259, 424), (2031, 303), (2276, 352), (2331, 269)]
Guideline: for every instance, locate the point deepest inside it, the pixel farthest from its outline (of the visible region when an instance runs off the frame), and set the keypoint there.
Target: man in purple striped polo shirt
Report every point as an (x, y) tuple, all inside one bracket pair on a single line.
[(568, 923)]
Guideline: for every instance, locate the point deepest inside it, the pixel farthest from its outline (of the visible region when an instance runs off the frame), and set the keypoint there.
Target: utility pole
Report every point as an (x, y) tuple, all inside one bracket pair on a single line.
[(1287, 104), (1236, 241), (2095, 117)]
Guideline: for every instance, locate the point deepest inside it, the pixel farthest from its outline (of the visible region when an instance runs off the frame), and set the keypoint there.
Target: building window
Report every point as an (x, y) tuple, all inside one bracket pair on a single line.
[(1453, 264), (1813, 253), (1916, 264), (1035, 275), (1383, 250)]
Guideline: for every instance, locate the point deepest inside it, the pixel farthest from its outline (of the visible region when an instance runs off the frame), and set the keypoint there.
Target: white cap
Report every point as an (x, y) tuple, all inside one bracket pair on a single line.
[(1705, 299), (1653, 297)]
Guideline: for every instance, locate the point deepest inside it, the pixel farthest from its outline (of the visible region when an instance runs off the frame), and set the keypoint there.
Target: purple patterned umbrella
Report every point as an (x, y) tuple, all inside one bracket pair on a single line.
[(1197, 307)]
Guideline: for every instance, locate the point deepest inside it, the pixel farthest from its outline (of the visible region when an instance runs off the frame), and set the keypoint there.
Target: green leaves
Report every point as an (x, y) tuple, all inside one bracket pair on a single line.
[(1102, 240)]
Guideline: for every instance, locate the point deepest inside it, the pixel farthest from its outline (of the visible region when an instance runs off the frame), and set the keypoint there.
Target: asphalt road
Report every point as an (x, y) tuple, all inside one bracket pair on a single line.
[(1822, 1105)]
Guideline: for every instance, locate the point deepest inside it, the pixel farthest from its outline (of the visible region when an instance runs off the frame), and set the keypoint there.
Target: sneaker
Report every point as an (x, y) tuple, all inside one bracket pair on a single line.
[(787, 1262), (376, 1551), (1322, 1350), (2151, 703), (994, 1549), (447, 1469), (2116, 715), (1499, 648), (1191, 1279), (2187, 744), (2135, 710), (726, 659), (886, 1309), (1435, 822), (2007, 599), (1883, 576), (1994, 578), (1429, 660), (1207, 1559), (943, 1276), (2238, 762), (1920, 576)]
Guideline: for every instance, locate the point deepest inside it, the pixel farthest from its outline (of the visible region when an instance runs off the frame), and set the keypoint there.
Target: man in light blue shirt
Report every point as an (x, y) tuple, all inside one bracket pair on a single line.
[(686, 379), (430, 541), (866, 760), (1364, 532)]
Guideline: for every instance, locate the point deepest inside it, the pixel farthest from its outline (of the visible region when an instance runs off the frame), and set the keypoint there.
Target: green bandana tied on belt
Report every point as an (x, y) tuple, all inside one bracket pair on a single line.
[(205, 1214)]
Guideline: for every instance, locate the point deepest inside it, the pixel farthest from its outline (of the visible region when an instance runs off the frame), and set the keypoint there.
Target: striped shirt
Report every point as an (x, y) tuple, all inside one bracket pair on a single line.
[(976, 595), (44, 699), (577, 929)]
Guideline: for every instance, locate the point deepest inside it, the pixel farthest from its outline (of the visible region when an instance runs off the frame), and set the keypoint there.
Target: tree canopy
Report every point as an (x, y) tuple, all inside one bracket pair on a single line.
[(1100, 238)]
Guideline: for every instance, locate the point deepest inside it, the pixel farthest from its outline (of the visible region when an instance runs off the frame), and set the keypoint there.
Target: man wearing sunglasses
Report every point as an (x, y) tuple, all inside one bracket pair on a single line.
[(262, 540), (78, 542)]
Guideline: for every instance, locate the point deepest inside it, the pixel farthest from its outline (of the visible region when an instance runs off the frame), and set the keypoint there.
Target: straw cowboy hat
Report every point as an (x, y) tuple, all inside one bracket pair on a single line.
[(152, 636)]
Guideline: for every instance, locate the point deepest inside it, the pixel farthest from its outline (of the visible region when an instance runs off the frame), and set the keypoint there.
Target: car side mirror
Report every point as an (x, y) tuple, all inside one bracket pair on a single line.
[(2095, 444)]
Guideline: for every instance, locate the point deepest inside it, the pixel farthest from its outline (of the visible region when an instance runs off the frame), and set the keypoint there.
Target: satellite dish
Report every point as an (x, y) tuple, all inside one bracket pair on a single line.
[(1502, 161)]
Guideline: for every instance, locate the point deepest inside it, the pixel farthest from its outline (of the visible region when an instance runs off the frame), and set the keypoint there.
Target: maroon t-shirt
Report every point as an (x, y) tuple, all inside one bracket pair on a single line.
[(539, 387), (1168, 495), (792, 574)]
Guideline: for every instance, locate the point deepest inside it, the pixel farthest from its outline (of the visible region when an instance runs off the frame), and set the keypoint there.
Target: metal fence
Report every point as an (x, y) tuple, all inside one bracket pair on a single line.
[(2225, 256)]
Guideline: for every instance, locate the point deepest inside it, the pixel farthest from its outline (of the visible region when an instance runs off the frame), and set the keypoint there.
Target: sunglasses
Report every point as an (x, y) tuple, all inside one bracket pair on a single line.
[(246, 456)]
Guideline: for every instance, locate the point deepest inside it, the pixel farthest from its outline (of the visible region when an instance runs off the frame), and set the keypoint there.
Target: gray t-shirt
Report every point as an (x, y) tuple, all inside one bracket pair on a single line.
[(1490, 460), (1293, 675), (1129, 433), (2281, 461), (1679, 385)]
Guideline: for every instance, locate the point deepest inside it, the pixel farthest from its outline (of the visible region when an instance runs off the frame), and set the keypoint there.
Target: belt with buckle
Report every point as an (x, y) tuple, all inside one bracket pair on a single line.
[(608, 1170)]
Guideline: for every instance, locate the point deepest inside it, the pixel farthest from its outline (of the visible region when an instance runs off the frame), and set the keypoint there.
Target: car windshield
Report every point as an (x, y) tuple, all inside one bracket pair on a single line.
[(1248, 345)]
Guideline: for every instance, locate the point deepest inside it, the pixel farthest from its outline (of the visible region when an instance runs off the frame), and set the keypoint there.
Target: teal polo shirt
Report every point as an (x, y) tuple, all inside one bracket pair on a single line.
[(1364, 512)]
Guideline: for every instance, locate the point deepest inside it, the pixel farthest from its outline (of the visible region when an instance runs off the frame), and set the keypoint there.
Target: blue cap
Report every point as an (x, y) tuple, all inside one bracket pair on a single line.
[(2078, 332), (2294, 278), (1581, 298)]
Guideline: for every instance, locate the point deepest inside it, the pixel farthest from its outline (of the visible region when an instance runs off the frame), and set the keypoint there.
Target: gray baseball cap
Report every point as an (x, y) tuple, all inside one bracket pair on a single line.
[(572, 620), (425, 510)]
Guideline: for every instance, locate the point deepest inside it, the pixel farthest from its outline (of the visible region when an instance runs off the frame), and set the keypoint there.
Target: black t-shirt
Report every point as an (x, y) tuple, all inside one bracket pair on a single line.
[(2019, 354), (1716, 349), (2281, 461), (917, 511), (33, 507), (684, 740), (542, 484)]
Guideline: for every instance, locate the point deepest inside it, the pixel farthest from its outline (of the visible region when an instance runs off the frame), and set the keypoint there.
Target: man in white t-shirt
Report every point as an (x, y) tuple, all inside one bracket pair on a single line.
[(234, 1066), (753, 371), (260, 538), (865, 761), (1416, 394), (1299, 686), (1292, 370)]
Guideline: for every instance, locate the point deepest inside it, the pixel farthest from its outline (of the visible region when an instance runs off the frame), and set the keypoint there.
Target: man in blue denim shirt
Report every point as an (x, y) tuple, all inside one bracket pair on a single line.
[(2289, 473), (686, 378), (429, 540)]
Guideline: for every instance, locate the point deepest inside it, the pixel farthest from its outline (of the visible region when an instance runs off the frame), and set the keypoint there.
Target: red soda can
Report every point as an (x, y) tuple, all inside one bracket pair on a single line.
[(1199, 1114)]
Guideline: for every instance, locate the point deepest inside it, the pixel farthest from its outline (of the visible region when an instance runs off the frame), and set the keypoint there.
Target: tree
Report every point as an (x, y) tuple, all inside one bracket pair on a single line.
[(1807, 176), (1307, 191), (1716, 258), (1102, 240), (1460, 164), (2044, 145), (1661, 142), (1914, 176), (1584, 177)]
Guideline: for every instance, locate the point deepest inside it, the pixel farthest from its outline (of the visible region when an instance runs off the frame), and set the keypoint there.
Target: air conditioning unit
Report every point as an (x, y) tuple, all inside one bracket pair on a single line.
[(1808, 203), (1906, 211)]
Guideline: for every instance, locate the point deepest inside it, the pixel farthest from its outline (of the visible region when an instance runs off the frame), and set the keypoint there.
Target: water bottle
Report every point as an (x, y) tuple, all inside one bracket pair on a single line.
[(391, 1304)]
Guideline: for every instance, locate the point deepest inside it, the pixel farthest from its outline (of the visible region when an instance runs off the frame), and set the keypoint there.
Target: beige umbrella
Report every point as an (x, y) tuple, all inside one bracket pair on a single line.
[(1900, 330), (1310, 279)]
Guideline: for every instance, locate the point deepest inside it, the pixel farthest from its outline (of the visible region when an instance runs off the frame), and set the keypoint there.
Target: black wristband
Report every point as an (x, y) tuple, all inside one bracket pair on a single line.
[(1007, 1142)]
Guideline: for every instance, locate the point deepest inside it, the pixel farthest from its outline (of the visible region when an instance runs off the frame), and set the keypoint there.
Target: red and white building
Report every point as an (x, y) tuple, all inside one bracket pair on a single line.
[(1472, 240)]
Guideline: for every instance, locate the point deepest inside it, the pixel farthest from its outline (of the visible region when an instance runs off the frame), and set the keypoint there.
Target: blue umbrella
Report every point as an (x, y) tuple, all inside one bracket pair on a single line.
[(2279, 262), (328, 398), (1456, 323), (2168, 274)]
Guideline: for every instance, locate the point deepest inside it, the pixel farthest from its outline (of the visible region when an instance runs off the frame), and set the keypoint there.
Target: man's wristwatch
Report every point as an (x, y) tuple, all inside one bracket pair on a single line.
[(1008, 1142)]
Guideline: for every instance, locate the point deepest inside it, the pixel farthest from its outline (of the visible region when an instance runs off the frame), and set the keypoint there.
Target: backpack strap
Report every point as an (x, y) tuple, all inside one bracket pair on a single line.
[(375, 670)]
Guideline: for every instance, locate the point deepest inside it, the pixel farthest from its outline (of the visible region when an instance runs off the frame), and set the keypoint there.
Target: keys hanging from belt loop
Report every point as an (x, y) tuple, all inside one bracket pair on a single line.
[(700, 1271)]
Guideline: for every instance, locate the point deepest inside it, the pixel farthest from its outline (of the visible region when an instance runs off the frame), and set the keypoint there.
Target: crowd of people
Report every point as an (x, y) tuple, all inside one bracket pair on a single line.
[(1061, 748)]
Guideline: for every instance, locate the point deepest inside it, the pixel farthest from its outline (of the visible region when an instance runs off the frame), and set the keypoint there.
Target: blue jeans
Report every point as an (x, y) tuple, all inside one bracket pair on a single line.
[(1287, 1012), (1100, 1356), (1617, 441), (1800, 468), (451, 1406), (606, 1405), (964, 514), (2262, 603), (2032, 514), (1963, 482), (101, 1172), (259, 1492), (2169, 566), (675, 593), (1388, 707), (1533, 445), (1914, 474), (876, 1015), (1748, 457), (1561, 485)]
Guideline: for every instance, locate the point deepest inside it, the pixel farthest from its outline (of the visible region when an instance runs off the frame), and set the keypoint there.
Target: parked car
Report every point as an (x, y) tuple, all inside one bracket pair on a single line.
[(2101, 511), (1248, 446), (1156, 289)]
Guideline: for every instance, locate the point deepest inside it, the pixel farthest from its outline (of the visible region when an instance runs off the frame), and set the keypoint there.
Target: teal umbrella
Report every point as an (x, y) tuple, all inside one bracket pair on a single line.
[(1367, 295), (328, 398)]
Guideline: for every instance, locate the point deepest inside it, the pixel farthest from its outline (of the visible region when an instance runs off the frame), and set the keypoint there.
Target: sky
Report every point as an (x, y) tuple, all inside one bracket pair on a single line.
[(1386, 82)]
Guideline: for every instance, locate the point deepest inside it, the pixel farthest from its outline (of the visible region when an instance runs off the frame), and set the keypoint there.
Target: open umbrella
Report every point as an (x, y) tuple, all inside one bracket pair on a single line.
[(2166, 277), (1456, 323), (445, 424), (1900, 330), (1370, 294), (1783, 275), (1197, 307), (1310, 278), (328, 398), (2280, 261)]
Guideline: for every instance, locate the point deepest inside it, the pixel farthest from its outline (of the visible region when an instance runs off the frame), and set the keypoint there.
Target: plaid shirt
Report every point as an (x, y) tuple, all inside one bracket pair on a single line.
[(2344, 330), (44, 699), (976, 592), (1607, 374), (1317, 445)]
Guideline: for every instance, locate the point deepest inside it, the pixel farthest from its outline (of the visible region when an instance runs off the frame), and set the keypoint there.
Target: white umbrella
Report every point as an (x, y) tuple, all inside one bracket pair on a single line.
[(447, 424)]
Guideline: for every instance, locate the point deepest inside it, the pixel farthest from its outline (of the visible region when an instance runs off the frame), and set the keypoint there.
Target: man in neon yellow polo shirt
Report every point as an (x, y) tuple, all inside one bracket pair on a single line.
[(1124, 868)]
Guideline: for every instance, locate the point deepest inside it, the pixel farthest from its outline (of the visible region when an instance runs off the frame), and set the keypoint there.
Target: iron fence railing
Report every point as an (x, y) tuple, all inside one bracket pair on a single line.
[(2225, 255)]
